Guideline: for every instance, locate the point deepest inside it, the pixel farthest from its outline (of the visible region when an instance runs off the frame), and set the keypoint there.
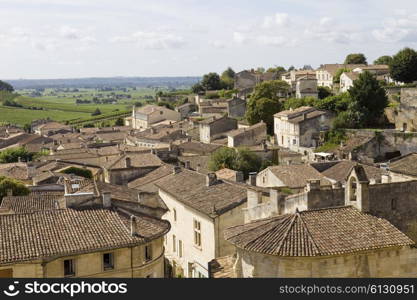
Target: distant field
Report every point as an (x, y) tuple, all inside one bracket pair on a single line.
[(21, 116), (60, 105)]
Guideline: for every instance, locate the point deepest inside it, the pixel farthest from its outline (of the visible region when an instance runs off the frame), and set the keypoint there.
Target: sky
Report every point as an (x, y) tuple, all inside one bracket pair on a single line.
[(42, 39)]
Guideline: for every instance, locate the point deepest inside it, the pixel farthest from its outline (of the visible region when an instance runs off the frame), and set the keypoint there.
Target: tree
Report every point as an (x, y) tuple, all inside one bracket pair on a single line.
[(197, 88), (228, 78), (119, 122), (12, 155), (211, 82), (276, 69), (323, 92), (96, 112), (16, 187), (79, 172), (4, 86), (368, 101), (240, 159), (264, 102), (356, 58), (403, 66), (383, 60)]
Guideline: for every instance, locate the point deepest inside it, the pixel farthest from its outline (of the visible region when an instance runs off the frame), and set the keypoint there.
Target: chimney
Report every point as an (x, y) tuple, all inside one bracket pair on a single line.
[(176, 170), (211, 179), (106, 199), (19, 159), (140, 197), (304, 116), (385, 178), (239, 176), (336, 185), (187, 165), (133, 226), (252, 178), (197, 169), (313, 184), (128, 162)]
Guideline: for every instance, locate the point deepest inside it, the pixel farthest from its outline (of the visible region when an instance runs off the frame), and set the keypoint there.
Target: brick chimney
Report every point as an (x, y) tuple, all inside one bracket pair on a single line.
[(187, 164), (252, 178)]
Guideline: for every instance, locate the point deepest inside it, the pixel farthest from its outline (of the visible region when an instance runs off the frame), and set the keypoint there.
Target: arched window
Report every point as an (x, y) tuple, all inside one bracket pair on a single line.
[(352, 189)]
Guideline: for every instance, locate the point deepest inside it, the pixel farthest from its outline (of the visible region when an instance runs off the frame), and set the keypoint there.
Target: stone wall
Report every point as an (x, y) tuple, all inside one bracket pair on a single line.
[(388, 262), (236, 108)]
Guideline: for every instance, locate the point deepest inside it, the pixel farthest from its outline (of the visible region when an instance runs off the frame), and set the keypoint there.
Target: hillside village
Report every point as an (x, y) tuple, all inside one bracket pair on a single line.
[(260, 173)]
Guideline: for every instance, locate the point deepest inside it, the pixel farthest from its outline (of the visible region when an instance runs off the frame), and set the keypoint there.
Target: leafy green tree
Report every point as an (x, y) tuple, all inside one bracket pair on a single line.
[(368, 101), (240, 159), (13, 154), (355, 58), (96, 112), (298, 102), (337, 103), (228, 78), (16, 187), (119, 122), (211, 82), (166, 104), (79, 172), (383, 60), (291, 68), (197, 88), (4, 86), (403, 66), (264, 102), (323, 92), (27, 127), (276, 69)]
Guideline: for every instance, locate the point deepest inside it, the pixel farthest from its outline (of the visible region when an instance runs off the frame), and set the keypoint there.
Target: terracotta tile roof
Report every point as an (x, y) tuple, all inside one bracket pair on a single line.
[(190, 188), (146, 182), (332, 68), (341, 171), (296, 176), (355, 142), (222, 267), (199, 162), (51, 233), (14, 170), (406, 164), (352, 75), (198, 148), (137, 160), (330, 231), (31, 202)]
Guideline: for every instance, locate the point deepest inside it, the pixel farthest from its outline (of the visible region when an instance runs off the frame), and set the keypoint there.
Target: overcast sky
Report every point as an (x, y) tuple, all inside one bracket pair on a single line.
[(83, 38)]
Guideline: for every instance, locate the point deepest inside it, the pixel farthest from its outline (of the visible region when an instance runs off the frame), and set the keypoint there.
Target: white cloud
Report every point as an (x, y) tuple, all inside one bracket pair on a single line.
[(218, 44), (401, 28), (151, 40), (279, 19), (239, 37)]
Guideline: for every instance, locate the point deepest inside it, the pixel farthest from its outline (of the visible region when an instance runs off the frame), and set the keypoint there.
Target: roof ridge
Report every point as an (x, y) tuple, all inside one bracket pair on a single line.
[(253, 228), (281, 244), (309, 234)]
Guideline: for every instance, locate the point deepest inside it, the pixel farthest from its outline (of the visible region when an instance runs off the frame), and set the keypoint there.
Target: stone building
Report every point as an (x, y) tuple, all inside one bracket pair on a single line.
[(236, 107), (346, 80), (144, 117), (326, 73), (405, 114), (82, 233), (306, 86), (300, 128), (253, 135), (329, 242), (213, 128), (199, 211), (245, 81), (294, 177)]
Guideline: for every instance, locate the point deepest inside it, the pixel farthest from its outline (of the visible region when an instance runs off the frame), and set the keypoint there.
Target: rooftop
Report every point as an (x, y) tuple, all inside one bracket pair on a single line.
[(296, 176), (322, 232)]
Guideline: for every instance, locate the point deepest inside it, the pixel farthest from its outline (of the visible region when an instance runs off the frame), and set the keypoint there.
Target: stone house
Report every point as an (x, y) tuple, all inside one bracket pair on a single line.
[(306, 86), (185, 109), (346, 80), (253, 135), (294, 177), (300, 128), (198, 213), (403, 168), (328, 242), (245, 81), (236, 107), (50, 128), (120, 170), (406, 113), (144, 117), (326, 73), (99, 240), (213, 128)]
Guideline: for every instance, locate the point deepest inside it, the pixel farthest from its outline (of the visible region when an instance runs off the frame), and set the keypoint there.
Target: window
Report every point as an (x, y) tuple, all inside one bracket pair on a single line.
[(180, 248), (148, 252), (393, 204), (108, 261), (174, 211), (174, 244), (69, 267), (197, 233)]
